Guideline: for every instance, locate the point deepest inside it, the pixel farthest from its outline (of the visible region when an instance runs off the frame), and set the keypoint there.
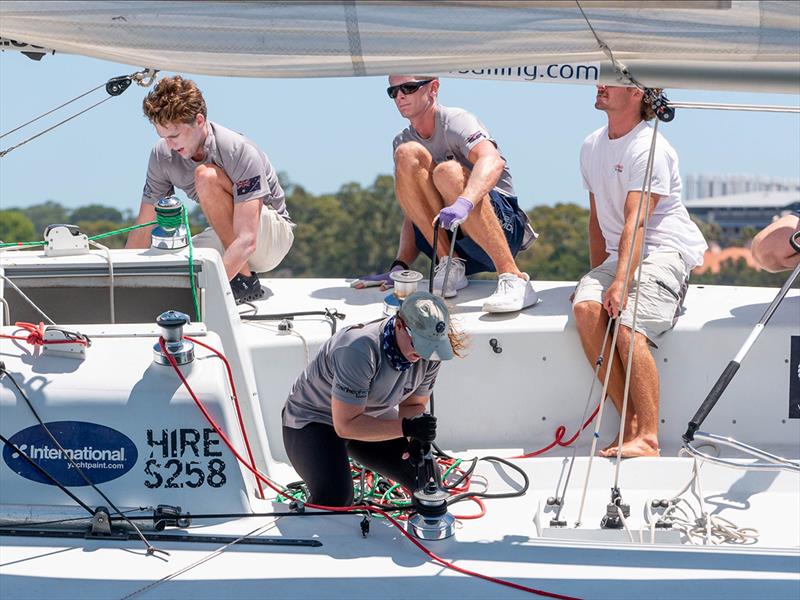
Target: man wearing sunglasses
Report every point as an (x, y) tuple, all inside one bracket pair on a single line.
[(447, 166)]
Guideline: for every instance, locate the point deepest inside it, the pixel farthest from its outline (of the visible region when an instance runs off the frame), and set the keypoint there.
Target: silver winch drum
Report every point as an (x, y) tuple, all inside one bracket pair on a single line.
[(405, 284), (165, 237), (181, 350)]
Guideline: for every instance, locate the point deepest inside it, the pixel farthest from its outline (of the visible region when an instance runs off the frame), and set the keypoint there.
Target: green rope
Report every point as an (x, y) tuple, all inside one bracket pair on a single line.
[(100, 236), (185, 216), (450, 468)]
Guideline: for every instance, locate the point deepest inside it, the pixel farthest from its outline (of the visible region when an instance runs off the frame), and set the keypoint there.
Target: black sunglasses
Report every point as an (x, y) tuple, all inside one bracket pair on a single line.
[(406, 88)]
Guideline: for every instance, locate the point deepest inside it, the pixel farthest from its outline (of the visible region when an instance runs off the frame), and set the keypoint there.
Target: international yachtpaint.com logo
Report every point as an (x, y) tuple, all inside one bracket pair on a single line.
[(101, 452)]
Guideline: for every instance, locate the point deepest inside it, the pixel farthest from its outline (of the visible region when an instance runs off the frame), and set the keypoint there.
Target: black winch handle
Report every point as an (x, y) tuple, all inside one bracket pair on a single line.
[(794, 241), (433, 253), (733, 366)]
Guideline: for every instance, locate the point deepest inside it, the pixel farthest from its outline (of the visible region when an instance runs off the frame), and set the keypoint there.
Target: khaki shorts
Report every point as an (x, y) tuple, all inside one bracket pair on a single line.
[(275, 237), (664, 282)]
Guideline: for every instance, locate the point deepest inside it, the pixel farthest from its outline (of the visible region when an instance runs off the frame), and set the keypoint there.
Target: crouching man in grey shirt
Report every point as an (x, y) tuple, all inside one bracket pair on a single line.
[(229, 176), (364, 394)]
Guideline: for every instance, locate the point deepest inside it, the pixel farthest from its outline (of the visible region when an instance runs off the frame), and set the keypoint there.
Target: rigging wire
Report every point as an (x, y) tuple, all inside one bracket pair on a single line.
[(114, 86)]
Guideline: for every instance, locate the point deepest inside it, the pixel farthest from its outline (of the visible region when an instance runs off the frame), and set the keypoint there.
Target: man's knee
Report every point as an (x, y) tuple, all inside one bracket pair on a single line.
[(208, 177), (448, 172), (586, 314), (411, 157)]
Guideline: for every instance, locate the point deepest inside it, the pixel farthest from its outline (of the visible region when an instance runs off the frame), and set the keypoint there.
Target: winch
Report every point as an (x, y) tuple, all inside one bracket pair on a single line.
[(431, 520), (172, 323), (171, 232), (405, 284)]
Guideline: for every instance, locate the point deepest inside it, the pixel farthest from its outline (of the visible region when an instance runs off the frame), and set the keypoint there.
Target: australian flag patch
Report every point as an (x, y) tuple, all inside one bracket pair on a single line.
[(246, 186)]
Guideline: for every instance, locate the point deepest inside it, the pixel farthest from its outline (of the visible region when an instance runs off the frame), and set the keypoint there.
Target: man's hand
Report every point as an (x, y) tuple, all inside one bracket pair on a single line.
[(454, 215), (421, 427), (613, 300), (381, 279)]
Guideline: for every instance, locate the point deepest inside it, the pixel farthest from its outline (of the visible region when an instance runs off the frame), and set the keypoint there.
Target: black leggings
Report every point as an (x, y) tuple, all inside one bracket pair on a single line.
[(320, 457)]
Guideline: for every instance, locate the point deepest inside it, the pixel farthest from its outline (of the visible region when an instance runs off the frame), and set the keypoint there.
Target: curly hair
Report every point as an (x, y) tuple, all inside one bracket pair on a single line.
[(646, 111), (174, 100)]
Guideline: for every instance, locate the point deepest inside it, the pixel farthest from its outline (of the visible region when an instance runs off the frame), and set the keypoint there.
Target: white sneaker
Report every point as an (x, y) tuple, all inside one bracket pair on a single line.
[(456, 278), (513, 293)]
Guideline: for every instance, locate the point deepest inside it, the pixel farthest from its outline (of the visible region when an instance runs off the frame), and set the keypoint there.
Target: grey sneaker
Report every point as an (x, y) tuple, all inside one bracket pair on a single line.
[(513, 293), (456, 278)]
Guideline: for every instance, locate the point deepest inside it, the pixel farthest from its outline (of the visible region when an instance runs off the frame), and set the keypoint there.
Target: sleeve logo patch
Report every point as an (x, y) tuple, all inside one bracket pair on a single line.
[(246, 186), (476, 136), (358, 394)]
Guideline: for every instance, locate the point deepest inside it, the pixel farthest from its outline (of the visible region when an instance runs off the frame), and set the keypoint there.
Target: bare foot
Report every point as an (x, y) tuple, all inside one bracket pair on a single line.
[(612, 447), (635, 447)]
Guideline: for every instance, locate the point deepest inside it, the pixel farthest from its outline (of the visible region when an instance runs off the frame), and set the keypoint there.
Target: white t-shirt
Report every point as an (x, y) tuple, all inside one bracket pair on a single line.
[(612, 168)]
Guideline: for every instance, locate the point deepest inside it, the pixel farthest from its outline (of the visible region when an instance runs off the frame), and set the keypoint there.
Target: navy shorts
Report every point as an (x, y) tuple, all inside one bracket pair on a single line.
[(512, 222)]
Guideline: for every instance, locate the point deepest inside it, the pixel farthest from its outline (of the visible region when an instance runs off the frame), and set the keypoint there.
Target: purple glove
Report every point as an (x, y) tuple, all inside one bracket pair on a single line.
[(381, 279), (454, 215)]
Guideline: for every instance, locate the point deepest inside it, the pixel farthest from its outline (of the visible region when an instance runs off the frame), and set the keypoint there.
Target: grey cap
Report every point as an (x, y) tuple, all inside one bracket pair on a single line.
[(428, 322)]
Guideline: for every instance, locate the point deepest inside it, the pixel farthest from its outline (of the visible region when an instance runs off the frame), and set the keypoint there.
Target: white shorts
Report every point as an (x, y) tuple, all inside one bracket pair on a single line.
[(664, 280), (275, 238)]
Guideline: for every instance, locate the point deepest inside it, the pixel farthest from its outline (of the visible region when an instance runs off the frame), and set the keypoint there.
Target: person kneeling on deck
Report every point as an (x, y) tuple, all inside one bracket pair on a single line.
[(231, 178), (364, 394), (448, 165), (613, 164)]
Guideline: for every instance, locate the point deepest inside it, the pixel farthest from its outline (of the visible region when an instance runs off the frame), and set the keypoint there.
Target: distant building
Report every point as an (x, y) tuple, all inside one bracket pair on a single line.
[(735, 212), (709, 185)]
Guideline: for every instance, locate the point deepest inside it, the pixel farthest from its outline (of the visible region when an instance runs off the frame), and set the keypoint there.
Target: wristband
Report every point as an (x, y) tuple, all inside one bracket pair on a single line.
[(398, 263)]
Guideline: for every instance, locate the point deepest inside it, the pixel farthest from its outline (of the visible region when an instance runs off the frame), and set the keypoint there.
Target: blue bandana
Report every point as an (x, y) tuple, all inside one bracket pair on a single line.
[(396, 359)]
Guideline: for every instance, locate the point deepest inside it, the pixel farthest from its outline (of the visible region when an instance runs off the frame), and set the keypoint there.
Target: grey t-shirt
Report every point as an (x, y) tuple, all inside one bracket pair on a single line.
[(243, 162), (351, 367), (456, 133)]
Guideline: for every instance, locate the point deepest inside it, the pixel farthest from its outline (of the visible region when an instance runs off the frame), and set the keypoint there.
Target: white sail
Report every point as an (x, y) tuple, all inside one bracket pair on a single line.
[(708, 44)]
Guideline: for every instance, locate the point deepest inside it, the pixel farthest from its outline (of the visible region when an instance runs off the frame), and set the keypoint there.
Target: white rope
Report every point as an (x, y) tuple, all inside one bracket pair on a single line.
[(110, 276), (643, 199), (274, 328), (699, 527)]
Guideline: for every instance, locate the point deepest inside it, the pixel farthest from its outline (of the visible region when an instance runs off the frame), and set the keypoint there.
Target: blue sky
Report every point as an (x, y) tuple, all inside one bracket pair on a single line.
[(327, 132)]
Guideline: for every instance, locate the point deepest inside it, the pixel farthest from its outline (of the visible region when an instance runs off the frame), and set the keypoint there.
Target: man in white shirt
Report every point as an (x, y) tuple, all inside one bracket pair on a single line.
[(613, 164)]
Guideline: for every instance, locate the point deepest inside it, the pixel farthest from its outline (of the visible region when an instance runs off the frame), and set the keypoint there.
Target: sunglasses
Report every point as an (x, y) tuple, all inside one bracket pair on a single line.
[(406, 88)]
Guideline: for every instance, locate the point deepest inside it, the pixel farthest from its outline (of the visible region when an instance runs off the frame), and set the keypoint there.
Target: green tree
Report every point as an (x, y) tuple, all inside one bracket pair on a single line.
[(44, 214), (561, 252), (16, 227), (96, 212)]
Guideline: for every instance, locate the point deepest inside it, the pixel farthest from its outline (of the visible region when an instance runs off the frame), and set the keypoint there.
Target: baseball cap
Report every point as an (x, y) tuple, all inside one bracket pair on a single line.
[(428, 321)]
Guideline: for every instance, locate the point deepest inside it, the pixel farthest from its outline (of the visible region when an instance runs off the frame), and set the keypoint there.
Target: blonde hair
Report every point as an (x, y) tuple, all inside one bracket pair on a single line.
[(174, 100)]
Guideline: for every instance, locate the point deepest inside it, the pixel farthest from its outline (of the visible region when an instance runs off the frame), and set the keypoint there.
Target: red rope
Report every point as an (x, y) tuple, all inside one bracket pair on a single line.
[(400, 528), (35, 335), (559, 437), (235, 401)]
